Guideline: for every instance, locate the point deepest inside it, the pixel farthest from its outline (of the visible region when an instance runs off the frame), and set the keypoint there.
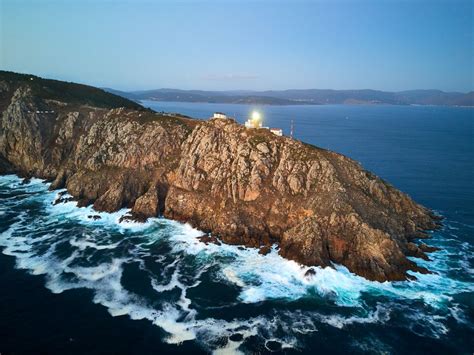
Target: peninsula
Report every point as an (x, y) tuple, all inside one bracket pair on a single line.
[(306, 97), (238, 185)]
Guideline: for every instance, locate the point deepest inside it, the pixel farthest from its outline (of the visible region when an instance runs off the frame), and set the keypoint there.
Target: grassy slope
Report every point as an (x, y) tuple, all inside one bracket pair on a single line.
[(64, 91)]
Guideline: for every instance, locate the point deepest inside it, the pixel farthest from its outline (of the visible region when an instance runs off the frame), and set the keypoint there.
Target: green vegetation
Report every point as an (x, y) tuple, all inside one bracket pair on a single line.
[(67, 92), (258, 137), (311, 146), (166, 120)]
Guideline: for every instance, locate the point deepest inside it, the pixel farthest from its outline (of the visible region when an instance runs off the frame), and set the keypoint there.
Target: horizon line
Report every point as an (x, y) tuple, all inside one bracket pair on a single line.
[(295, 89), (113, 87)]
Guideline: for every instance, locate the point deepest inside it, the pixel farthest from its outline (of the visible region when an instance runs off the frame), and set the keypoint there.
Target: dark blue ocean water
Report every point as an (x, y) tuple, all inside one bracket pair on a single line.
[(70, 284)]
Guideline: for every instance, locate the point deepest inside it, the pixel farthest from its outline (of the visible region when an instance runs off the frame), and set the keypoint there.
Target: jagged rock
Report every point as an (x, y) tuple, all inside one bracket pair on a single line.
[(265, 250), (5, 166), (310, 273), (25, 181), (415, 251), (111, 200), (59, 182), (132, 218), (95, 217), (247, 186), (206, 239), (428, 249), (147, 204), (62, 199)]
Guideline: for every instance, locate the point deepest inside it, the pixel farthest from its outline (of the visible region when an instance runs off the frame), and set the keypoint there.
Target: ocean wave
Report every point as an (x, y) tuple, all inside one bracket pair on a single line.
[(73, 251)]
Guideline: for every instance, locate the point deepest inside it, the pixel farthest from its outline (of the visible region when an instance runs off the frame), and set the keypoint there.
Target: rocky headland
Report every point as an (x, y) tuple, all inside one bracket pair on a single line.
[(238, 185)]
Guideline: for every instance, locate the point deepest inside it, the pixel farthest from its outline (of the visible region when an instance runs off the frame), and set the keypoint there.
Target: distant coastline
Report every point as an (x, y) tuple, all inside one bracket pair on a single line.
[(305, 97), (145, 103)]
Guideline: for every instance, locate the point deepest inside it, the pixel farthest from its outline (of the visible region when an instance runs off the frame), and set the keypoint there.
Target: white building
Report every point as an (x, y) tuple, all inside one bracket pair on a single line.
[(255, 121), (277, 131), (219, 115), (253, 124)]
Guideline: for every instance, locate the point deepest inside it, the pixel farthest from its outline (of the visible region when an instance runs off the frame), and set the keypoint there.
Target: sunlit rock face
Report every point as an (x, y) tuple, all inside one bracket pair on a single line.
[(246, 186)]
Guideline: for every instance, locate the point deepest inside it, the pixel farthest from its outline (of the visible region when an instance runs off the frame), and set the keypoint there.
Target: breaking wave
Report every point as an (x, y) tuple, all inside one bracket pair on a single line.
[(220, 296)]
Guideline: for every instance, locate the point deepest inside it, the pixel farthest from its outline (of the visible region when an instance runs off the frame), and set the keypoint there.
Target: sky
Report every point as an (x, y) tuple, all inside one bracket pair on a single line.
[(253, 45)]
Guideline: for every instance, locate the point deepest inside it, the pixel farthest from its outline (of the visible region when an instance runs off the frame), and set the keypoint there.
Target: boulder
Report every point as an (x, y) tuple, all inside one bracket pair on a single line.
[(147, 205)]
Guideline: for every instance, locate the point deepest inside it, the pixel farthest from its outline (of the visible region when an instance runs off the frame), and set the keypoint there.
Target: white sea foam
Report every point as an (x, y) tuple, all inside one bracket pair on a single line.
[(43, 246), (379, 315), (88, 243)]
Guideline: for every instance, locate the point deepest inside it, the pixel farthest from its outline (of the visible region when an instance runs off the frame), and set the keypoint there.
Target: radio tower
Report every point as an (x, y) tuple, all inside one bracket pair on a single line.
[(292, 129)]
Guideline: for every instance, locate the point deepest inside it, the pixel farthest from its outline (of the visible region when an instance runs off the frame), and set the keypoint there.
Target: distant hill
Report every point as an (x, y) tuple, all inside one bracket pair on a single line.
[(127, 95), (203, 96), (72, 93), (305, 97)]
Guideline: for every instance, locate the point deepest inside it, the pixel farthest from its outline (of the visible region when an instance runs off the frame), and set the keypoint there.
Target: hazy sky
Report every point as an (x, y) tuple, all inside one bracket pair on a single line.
[(388, 45)]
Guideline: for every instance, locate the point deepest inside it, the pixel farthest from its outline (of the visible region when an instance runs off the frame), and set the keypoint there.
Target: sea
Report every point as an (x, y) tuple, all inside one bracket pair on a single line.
[(70, 284)]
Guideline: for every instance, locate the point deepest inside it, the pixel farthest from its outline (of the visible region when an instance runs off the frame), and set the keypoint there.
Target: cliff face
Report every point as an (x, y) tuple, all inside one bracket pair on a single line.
[(246, 186)]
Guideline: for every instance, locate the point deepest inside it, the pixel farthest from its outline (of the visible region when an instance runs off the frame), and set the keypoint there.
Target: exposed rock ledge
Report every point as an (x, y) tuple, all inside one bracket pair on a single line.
[(245, 186)]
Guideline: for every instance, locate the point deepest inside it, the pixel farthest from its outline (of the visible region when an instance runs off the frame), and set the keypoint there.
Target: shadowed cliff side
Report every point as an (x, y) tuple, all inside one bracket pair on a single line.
[(245, 186)]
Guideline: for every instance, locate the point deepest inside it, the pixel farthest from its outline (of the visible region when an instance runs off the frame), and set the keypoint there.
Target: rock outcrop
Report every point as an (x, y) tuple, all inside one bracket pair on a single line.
[(244, 186)]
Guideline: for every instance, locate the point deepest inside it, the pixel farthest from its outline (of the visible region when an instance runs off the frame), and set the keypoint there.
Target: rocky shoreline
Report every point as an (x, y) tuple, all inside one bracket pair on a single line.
[(244, 186)]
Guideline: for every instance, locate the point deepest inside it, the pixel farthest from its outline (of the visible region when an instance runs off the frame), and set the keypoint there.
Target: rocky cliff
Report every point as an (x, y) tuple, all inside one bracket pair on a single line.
[(243, 186)]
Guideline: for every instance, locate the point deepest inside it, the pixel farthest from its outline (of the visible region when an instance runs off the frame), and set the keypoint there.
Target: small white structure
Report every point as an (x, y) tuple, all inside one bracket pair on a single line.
[(255, 121), (219, 115), (253, 124), (52, 111), (277, 131)]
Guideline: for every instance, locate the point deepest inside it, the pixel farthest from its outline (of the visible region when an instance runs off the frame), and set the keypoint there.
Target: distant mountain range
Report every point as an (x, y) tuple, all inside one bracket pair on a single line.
[(305, 97)]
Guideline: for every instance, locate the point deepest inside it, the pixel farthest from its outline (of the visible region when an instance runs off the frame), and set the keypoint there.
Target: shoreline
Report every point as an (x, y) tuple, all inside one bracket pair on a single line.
[(303, 104)]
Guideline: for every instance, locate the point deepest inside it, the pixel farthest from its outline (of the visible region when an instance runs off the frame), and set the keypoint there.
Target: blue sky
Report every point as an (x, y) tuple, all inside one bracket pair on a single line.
[(220, 45)]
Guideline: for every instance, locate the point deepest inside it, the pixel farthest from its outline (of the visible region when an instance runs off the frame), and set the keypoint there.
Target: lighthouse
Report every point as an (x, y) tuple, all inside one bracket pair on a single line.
[(255, 120)]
